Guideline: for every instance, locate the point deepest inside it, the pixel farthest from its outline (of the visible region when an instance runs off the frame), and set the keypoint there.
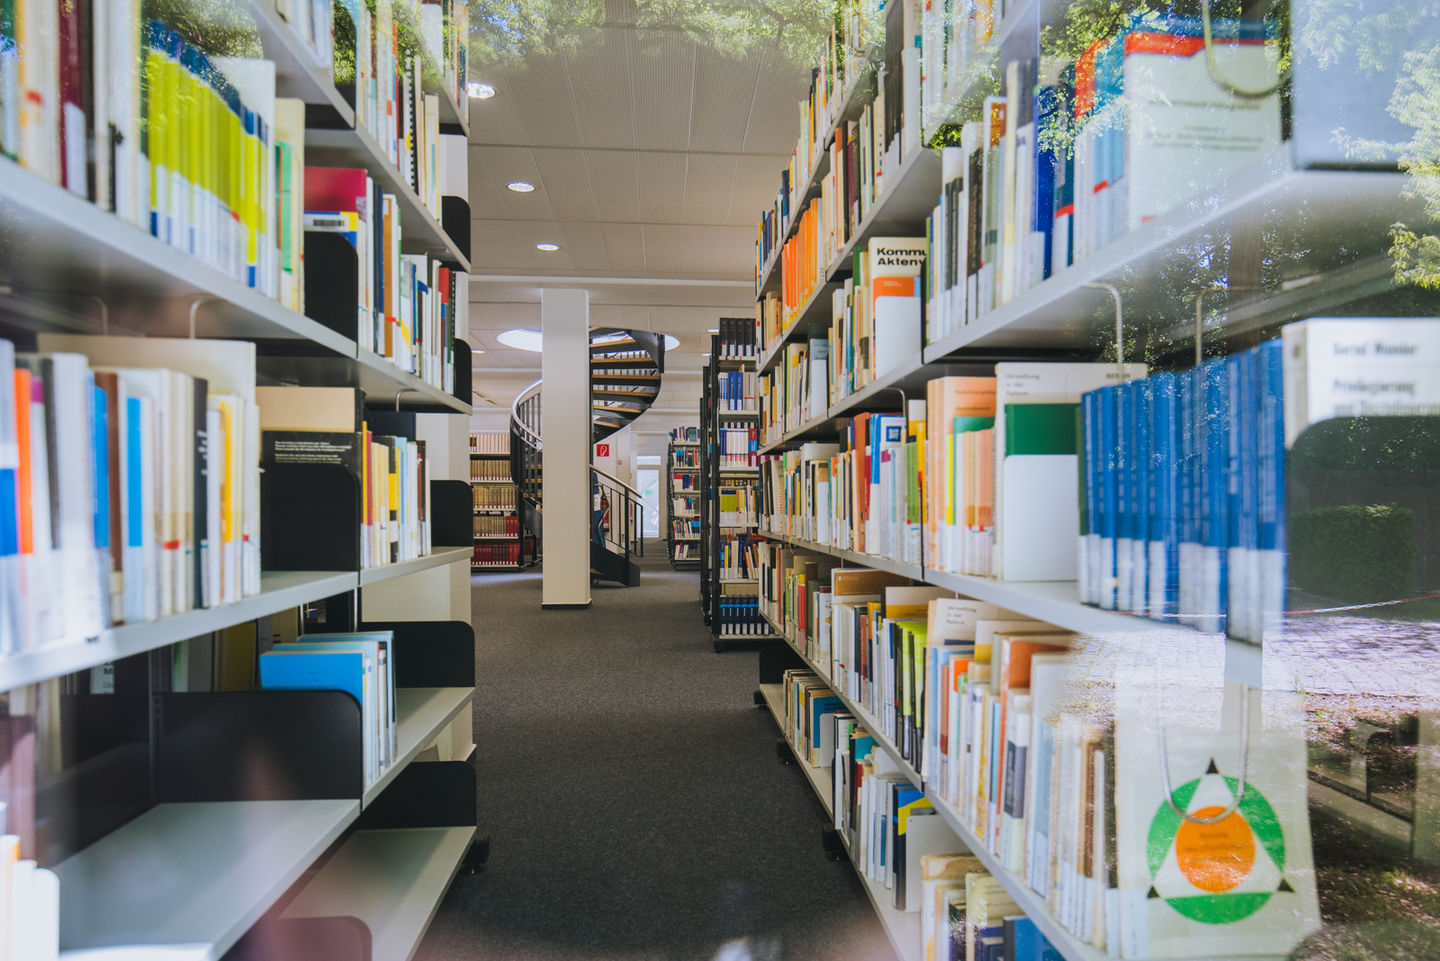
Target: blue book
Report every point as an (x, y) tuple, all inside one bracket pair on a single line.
[(1023, 941), (1214, 502), (1164, 558), (1090, 530), (1141, 455), (1270, 483), (10, 576), (1124, 514), (1242, 560), (1048, 102), (1109, 494), (339, 670), (1187, 469)]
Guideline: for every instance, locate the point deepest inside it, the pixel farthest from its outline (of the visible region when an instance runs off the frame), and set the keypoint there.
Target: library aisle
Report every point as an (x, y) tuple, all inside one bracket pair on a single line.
[(635, 801)]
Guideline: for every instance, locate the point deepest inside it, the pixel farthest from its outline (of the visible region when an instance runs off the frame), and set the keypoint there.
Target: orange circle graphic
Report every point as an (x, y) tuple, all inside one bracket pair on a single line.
[(1215, 857)]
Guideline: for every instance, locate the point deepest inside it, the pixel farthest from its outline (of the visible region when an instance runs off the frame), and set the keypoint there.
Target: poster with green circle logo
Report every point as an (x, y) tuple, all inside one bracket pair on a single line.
[(1223, 866)]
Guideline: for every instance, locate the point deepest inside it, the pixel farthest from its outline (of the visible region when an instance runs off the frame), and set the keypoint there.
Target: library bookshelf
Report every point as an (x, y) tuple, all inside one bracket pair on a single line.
[(729, 481), (1277, 238), (683, 489), (499, 532), (240, 850)]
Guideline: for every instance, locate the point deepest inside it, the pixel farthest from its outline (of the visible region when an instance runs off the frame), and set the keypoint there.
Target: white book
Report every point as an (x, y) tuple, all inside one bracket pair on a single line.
[(69, 388), (140, 392), (12, 598)]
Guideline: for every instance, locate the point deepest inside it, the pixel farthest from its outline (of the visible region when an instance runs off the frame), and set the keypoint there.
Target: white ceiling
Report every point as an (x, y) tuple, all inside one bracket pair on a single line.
[(652, 155)]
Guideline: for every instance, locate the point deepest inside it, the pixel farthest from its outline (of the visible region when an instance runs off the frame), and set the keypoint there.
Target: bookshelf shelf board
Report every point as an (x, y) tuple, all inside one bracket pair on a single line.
[(494, 510), (278, 591), (421, 713), (685, 443), (871, 723), (382, 382), (421, 233), (911, 571), (852, 105), (491, 480), (820, 778), (738, 413), (440, 557), (221, 866), (815, 307), (901, 210), (497, 537), (53, 240), (392, 880), (902, 928), (432, 72), (814, 427), (738, 580), (298, 72), (479, 455), (1324, 217)]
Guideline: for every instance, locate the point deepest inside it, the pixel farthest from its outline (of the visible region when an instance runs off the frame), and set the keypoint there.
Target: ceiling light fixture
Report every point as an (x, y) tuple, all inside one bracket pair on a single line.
[(713, 330), (521, 186), (547, 247), (479, 91)]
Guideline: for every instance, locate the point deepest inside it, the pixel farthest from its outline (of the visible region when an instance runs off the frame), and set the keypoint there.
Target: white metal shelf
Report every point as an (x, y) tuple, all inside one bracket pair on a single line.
[(440, 557), (278, 591), (820, 778), (392, 881), (421, 714), (298, 71), (1313, 227), (420, 232), (192, 875)]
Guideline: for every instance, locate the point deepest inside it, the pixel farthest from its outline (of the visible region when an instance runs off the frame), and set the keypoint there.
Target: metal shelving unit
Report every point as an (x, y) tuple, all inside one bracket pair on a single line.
[(684, 532)]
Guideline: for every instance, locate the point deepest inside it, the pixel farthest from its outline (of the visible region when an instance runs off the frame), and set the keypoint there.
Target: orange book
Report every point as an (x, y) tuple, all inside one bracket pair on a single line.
[(22, 478)]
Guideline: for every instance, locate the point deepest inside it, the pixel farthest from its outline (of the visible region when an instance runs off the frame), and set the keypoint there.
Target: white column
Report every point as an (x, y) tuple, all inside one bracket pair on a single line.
[(565, 432)]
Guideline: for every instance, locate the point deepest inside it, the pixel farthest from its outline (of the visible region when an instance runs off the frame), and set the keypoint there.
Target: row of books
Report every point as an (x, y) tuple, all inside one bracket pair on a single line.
[(409, 308), (739, 504), (863, 152), (490, 442), (496, 525), (738, 559), (489, 470), (325, 428), (1072, 156), (361, 664), (1183, 511), (684, 551), (685, 435), (686, 480), (738, 442), (738, 615), (685, 528), (685, 457), (795, 390), (496, 555), (389, 41), (736, 341), (493, 497), (684, 505), (129, 483), (30, 920), (735, 392)]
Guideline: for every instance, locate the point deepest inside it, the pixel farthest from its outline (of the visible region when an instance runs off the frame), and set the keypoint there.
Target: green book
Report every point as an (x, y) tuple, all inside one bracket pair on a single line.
[(1040, 428)]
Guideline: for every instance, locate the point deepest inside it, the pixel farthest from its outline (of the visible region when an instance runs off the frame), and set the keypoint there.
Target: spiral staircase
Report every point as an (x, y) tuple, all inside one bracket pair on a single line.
[(625, 371)]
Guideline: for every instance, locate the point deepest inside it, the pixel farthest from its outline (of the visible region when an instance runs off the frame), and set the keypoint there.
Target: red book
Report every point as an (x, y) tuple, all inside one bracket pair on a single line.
[(72, 98), (334, 188)]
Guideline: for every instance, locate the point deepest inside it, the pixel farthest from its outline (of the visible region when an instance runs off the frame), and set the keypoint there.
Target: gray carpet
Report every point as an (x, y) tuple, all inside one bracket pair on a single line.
[(633, 795)]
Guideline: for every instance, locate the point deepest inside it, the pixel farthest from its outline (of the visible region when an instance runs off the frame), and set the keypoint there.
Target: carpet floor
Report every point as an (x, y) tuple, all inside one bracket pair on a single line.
[(633, 796)]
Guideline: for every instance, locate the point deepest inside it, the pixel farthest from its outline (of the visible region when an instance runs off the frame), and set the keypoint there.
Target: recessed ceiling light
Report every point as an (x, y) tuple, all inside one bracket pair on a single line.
[(520, 186), (713, 330), (479, 91), (547, 247)]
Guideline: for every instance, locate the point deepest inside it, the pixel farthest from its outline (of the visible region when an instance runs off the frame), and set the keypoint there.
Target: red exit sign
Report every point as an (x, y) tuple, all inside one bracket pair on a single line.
[(602, 450)]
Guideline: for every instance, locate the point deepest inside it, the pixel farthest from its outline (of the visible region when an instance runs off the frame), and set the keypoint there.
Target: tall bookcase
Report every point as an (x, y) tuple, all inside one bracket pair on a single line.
[(500, 537), (125, 747), (682, 458), (730, 476), (1299, 230)]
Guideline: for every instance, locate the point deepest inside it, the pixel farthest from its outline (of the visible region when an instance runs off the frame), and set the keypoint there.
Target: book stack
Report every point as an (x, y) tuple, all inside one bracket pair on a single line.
[(878, 316), (797, 389), (738, 441), (688, 457), (803, 262), (191, 147), (409, 308), (493, 497), (795, 597), (322, 429), (490, 442), (490, 470), (685, 435), (1184, 498), (362, 665), (393, 48), (738, 505), (738, 613), (738, 560), (737, 339), (129, 476), (496, 555), (496, 526), (1072, 156), (737, 391), (313, 22)]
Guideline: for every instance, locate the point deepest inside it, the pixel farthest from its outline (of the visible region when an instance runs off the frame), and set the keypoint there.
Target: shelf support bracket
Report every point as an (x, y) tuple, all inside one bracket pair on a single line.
[(195, 306), (401, 392), (104, 313), (1119, 325)]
